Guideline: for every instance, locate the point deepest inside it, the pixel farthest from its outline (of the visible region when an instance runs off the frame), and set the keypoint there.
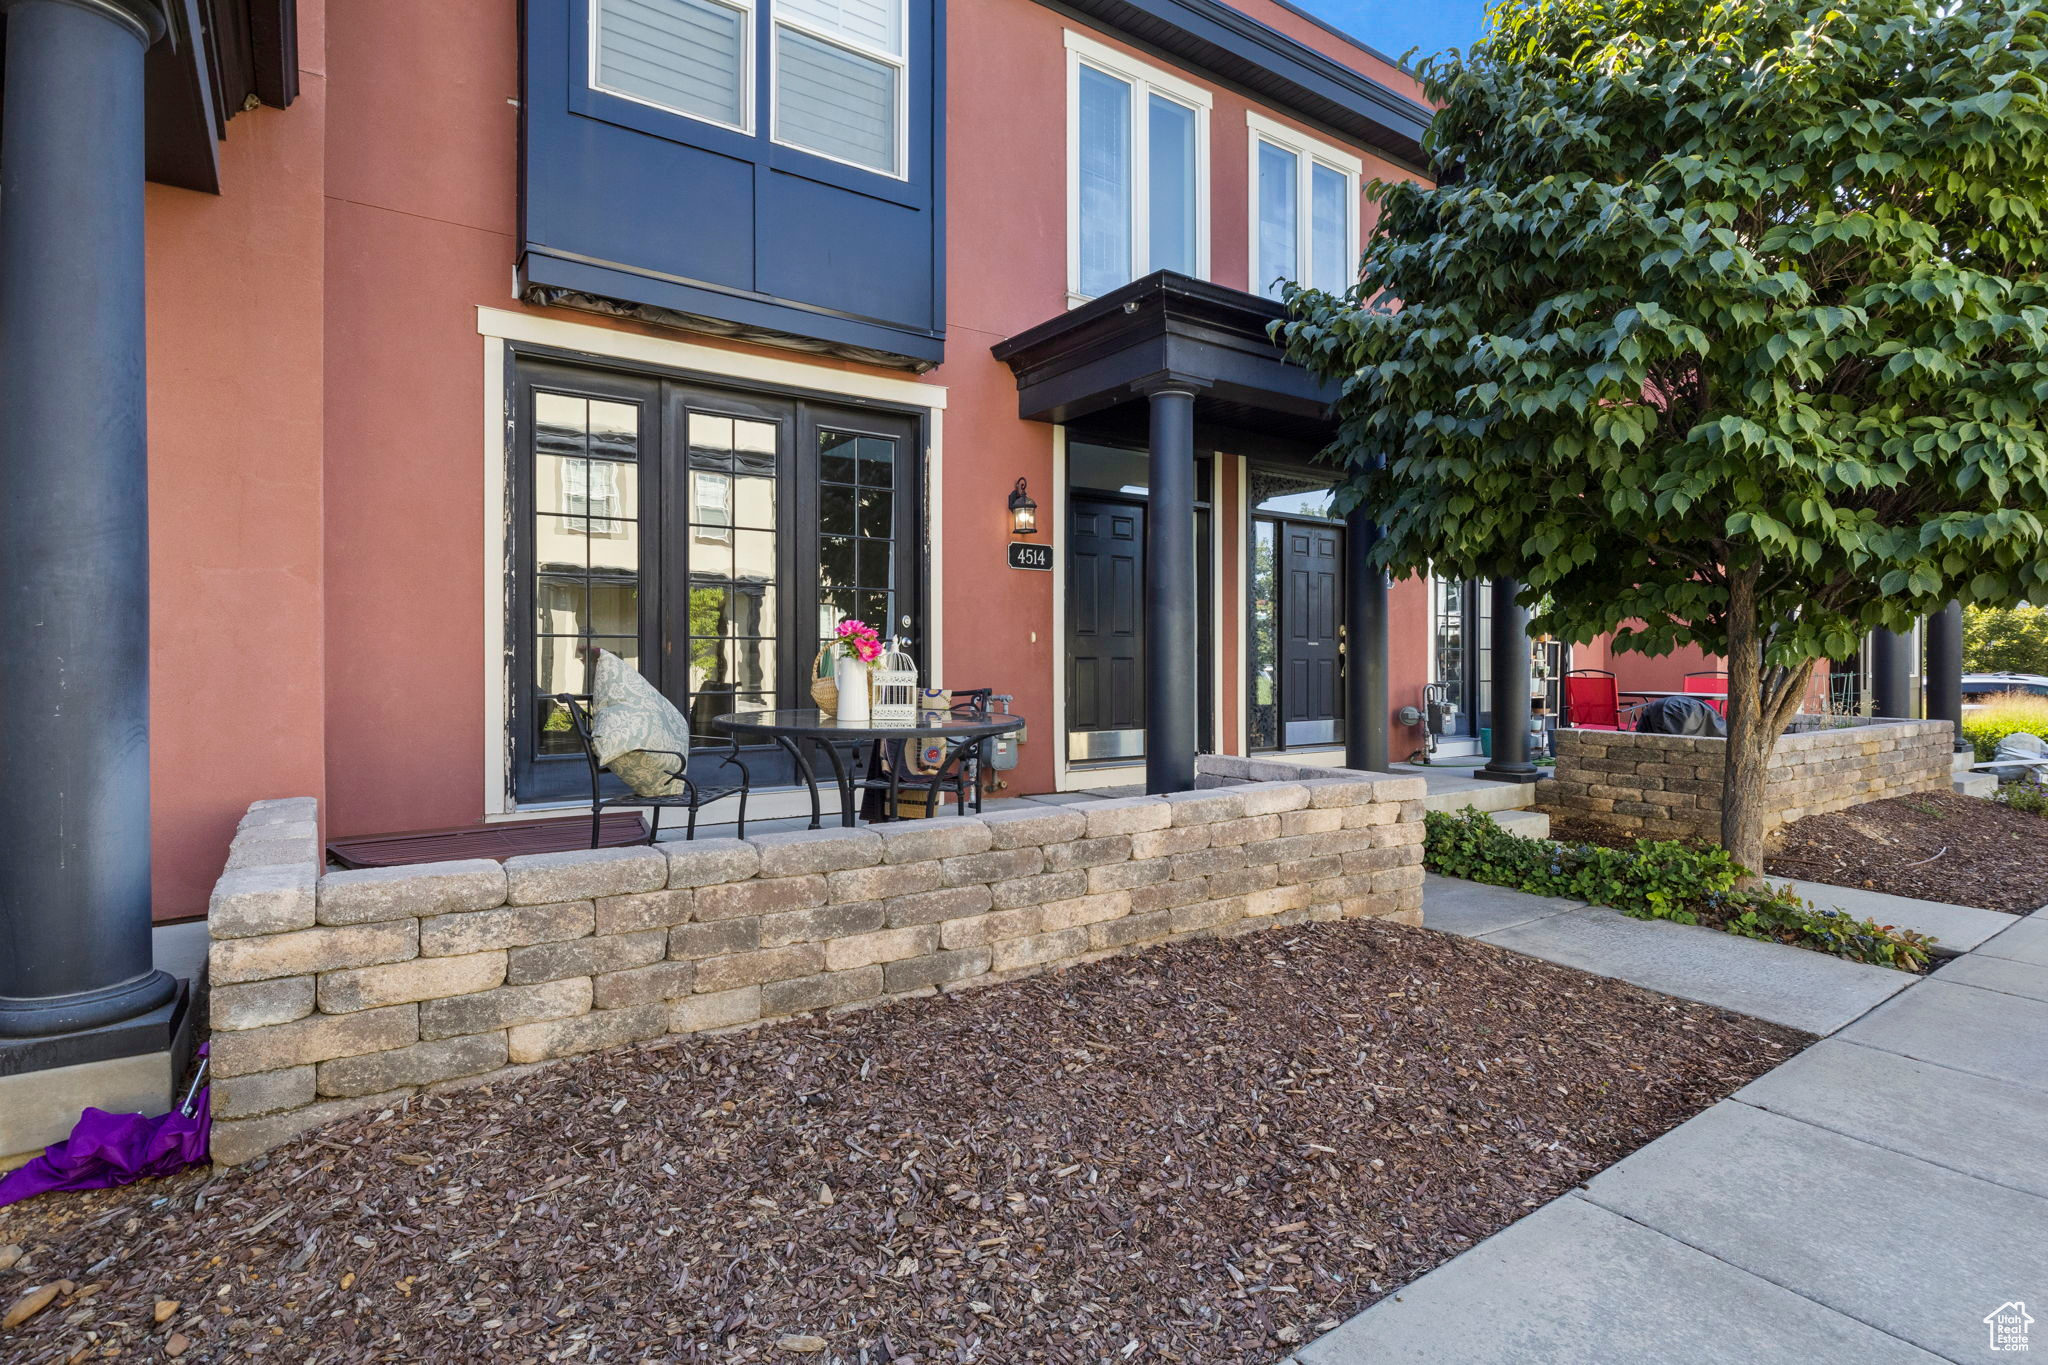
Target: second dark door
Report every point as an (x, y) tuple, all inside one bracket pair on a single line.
[(1105, 629), (1311, 668)]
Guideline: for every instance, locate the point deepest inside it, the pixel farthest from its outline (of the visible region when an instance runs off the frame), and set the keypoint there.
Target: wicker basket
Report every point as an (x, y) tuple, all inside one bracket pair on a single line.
[(824, 691)]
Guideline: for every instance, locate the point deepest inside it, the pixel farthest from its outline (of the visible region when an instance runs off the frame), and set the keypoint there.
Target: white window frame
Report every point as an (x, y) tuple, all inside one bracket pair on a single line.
[(745, 10), (1307, 152), (776, 21), (1145, 81)]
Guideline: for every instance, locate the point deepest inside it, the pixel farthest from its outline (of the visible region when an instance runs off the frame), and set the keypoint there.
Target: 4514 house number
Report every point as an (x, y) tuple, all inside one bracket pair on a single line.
[(1024, 555)]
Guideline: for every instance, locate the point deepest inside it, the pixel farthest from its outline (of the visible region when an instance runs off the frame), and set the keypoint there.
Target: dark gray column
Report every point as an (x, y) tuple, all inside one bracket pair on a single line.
[(1365, 646), (1510, 761), (1172, 641), (1941, 673), (1891, 678), (74, 548)]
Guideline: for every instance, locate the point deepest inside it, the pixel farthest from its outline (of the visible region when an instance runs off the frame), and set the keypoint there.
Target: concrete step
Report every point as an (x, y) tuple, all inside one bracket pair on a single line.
[(1530, 824), (1976, 784), (1455, 793), (1963, 759)]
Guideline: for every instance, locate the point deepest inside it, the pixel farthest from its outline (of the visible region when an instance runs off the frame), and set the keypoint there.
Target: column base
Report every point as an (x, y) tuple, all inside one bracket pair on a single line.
[(1525, 774), (148, 1031), (133, 1067)]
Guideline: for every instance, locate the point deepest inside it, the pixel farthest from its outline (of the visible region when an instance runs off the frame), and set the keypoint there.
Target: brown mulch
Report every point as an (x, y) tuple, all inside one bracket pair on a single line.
[(1202, 1153), (1938, 846)]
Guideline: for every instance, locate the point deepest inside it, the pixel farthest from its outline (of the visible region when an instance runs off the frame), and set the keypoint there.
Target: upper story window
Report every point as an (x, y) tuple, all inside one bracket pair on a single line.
[(837, 70), (1137, 170), (1304, 210)]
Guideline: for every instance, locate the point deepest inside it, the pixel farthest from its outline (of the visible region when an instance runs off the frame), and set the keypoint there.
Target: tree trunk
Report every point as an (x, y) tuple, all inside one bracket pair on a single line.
[(1761, 703), (1746, 764)]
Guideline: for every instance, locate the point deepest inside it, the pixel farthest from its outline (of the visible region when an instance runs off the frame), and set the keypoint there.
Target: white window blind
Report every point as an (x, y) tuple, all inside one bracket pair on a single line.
[(1105, 171), (871, 23), (689, 56), (839, 79)]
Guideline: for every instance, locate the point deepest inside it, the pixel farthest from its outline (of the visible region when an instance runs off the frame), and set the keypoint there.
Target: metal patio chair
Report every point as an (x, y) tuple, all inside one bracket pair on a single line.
[(1709, 681), (692, 798), (958, 777)]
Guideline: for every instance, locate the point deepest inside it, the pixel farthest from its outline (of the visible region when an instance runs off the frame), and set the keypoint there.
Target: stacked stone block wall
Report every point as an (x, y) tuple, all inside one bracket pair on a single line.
[(1670, 785), (338, 990)]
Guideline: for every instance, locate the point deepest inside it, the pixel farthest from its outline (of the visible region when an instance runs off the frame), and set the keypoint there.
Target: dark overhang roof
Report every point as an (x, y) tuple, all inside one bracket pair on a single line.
[(218, 57), (1088, 359), (1283, 70)]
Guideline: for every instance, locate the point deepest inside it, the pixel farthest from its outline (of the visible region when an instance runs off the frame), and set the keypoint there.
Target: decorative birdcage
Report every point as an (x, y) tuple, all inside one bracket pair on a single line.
[(895, 688)]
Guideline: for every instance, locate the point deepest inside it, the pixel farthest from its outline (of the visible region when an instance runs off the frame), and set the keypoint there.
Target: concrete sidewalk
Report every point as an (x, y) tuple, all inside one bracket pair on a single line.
[(1874, 1199), (1791, 986)]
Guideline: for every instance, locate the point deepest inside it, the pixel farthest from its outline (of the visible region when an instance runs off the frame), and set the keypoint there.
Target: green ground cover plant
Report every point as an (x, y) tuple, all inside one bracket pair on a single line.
[(2029, 796), (2008, 713), (1661, 879)]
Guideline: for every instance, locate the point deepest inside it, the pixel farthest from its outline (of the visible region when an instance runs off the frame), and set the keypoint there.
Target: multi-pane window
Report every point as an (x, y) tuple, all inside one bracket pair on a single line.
[(732, 606), (1304, 210), (837, 71), (1137, 179), (586, 543), (856, 530)]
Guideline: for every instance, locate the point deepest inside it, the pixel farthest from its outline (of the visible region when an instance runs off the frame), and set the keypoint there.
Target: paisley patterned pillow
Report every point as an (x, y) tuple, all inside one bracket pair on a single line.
[(628, 718)]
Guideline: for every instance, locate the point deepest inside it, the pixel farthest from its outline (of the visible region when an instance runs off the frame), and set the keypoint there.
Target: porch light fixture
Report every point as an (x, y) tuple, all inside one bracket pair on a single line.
[(1023, 512)]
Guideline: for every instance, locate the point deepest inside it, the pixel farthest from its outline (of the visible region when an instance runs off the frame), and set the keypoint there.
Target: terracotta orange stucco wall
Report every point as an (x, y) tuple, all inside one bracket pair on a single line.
[(318, 419), (236, 646)]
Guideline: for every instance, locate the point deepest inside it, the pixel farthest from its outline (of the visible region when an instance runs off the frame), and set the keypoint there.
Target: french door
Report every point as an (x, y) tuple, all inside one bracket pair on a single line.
[(709, 535)]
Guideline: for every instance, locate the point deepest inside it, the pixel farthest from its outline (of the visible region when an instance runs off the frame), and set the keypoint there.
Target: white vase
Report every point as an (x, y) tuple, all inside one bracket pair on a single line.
[(850, 676)]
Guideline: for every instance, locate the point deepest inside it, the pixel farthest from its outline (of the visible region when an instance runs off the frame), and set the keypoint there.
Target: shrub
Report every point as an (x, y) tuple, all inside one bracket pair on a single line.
[(2005, 641), (2008, 713), (1659, 879), (2026, 795)]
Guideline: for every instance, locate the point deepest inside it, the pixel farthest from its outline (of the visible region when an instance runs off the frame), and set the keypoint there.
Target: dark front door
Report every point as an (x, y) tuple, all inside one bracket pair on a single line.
[(1105, 629), (1310, 669)]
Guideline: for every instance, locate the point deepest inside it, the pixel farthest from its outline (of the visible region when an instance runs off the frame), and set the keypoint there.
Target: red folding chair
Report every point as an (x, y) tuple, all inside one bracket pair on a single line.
[(1710, 682), (1591, 700)]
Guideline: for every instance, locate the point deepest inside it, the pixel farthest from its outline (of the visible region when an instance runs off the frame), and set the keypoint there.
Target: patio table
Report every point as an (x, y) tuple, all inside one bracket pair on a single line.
[(1653, 695), (790, 729)]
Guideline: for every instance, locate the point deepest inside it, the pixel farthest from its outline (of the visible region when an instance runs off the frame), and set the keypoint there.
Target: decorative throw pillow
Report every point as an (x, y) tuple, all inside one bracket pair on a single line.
[(628, 718)]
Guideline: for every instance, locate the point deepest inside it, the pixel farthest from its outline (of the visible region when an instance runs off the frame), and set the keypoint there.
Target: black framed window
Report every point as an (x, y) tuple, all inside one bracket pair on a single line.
[(709, 535)]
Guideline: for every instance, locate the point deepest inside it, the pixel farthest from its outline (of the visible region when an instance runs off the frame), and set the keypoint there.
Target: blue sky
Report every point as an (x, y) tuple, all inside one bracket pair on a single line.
[(1394, 26)]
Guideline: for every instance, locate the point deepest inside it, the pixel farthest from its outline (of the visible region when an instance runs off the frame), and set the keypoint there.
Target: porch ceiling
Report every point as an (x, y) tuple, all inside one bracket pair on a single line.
[(1087, 360)]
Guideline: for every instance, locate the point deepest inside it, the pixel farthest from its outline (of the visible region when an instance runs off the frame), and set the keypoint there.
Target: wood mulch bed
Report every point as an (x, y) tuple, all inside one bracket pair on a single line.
[(1201, 1153), (1938, 846)]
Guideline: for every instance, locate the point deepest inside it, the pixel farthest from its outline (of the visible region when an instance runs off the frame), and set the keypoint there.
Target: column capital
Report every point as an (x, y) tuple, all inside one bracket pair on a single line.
[(1168, 381), (144, 18)]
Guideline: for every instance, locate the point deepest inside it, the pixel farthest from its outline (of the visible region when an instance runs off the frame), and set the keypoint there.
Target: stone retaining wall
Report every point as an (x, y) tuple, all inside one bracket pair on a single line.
[(1670, 785), (338, 990)]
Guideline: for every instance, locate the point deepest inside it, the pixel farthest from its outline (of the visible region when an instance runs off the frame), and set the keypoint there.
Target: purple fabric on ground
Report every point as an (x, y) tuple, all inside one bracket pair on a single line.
[(114, 1149)]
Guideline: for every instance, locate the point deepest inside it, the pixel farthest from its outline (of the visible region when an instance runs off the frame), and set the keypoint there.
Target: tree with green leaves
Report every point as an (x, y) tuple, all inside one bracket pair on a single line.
[(2005, 639), (1725, 326)]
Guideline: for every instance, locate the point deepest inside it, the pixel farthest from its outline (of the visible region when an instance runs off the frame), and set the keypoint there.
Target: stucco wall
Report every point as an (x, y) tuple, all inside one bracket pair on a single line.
[(336, 990)]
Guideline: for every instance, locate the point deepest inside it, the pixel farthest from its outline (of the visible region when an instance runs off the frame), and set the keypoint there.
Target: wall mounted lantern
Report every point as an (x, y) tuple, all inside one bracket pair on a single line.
[(1023, 512)]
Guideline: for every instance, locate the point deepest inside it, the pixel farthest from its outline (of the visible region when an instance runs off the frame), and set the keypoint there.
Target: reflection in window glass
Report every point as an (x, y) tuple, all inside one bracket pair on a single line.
[(1291, 493), (732, 553), (1330, 230), (1264, 661), (586, 534), (856, 531), (1172, 172), (1277, 213), (1105, 174)]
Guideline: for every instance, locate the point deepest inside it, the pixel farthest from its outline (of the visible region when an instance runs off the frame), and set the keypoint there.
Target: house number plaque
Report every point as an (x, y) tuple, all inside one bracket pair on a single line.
[(1025, 555)]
